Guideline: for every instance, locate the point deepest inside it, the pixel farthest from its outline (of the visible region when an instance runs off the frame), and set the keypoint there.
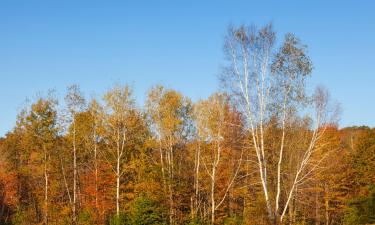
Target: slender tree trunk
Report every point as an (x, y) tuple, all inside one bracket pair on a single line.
[(262, 165), (213, 196), (281, 156), (96, 175), (45, 187), (294, 204), (197, 165), (170, 185), (213, 180), (171, 210), (265, 191), (291, 209), (317, 220), (326, 204), (118, 185), (162, 166), (74, 173), (65, 181), (192, 212), (304, 162)]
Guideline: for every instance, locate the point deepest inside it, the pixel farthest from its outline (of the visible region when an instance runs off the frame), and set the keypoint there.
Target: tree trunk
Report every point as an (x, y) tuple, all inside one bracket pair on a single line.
[(170, 186), (292, 210), (213, 194), (317, 219), (162, 167), (118, 188), (326, 204), (45, 187), (171, 206), (96, 177), (196, 183), (74, 173)]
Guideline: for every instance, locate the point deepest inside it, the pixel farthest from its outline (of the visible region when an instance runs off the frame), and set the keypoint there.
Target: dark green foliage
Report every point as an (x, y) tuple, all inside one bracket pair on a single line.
[(144, 211), (85, 217), (361, 210), (122, 219), (147, 212)]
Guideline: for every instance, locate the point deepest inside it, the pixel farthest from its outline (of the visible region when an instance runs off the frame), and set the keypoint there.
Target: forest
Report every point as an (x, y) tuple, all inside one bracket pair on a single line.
[(264, 149)]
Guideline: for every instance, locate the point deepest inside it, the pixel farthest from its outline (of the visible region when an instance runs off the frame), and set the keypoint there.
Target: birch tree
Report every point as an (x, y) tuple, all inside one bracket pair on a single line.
[(95, 110), (88, 131), (213, 120), (40, 125), (75, 104), (119, 106), (269, 83), (168, 111)]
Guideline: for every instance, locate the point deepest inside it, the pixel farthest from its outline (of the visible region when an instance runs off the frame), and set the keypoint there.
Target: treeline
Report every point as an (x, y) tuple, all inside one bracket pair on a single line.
[(260, 151)]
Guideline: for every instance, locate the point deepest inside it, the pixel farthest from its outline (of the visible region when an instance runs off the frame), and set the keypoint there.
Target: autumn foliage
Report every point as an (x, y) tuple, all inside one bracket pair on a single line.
[(260, 151)]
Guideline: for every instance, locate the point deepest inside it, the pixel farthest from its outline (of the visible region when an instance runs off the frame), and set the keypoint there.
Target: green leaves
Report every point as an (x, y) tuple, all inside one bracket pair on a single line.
[(361, 210)]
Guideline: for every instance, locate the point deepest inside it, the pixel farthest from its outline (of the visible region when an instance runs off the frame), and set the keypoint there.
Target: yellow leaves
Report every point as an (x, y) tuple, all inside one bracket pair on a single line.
[(65, 211), (210, 115), (119, 100), (168, 110)]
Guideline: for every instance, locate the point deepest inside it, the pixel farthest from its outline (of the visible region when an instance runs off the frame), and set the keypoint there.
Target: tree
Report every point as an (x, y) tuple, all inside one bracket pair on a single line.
[(270, 87), (213, 120), (88, 129), (75, 103), (361, 207), (124, 134), (169, 112), (9, 181), (145, 211), (262, 151), (95, 111), (361, 210), (41, 130)]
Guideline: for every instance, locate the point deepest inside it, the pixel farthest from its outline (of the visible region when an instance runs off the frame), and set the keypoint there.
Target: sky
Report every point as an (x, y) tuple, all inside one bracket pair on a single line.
[(52, 44)]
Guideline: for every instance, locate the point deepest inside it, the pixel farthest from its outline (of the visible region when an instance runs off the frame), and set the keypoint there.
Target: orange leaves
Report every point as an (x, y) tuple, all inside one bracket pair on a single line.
[(9, 188)]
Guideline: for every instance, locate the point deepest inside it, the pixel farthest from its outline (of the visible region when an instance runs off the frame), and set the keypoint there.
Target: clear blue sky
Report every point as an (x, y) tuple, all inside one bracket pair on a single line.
[(51, 44)]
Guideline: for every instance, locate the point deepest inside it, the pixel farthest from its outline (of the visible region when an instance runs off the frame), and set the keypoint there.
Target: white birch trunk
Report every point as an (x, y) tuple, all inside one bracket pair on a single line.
[(74, 172), (45, 186)]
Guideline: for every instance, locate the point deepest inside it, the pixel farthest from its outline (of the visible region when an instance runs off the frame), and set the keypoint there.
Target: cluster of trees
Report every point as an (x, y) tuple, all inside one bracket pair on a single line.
[(261, 151)]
